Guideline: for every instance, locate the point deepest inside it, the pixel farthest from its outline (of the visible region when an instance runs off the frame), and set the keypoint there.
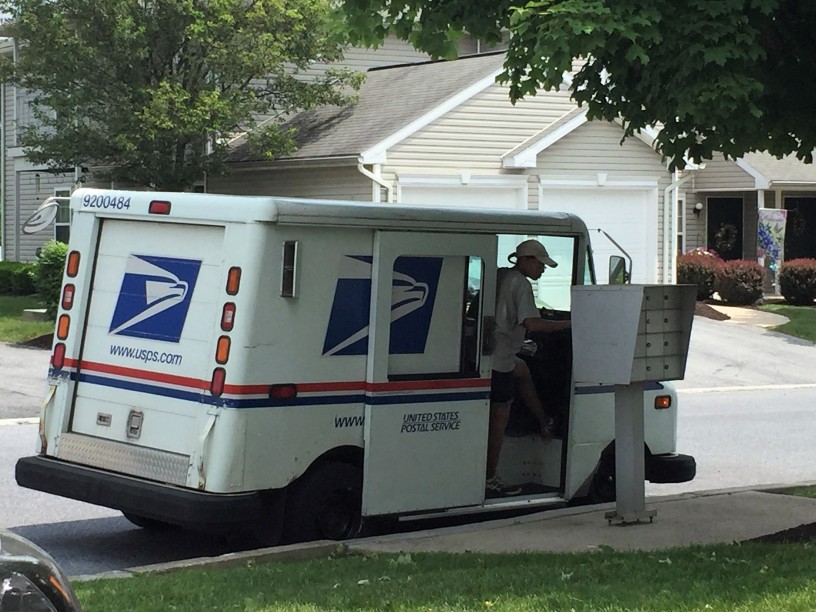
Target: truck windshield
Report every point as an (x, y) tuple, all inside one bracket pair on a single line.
[(552, 290)]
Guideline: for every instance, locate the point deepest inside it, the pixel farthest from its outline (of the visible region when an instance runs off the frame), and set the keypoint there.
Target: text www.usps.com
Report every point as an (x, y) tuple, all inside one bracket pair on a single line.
[(144, 355)]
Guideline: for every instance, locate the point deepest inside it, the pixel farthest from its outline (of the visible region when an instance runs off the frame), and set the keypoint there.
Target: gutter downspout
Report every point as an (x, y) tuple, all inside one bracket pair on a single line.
[(670, 227), (375, 176)]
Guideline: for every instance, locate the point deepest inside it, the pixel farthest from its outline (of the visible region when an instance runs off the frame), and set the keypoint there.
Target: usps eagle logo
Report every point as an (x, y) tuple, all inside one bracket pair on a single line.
[(154, 297), (413, 293)]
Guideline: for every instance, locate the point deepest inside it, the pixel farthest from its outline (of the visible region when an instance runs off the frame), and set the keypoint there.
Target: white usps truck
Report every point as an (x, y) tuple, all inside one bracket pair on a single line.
[(292, 367)]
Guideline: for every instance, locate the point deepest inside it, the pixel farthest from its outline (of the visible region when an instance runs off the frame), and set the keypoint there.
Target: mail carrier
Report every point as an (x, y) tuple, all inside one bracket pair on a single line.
[(293, 367)]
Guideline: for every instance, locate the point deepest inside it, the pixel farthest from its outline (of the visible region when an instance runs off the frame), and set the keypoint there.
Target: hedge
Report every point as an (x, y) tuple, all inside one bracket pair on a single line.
[(797, 281), (739, 282), (699, 267)]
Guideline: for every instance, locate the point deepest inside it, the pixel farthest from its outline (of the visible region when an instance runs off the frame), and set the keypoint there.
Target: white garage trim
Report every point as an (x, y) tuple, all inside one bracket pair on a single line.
[(514, 187), (601, 180)]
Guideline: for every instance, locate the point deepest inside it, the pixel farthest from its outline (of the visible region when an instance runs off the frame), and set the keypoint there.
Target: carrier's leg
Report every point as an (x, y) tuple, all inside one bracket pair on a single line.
[(528, 393), (499, 415)]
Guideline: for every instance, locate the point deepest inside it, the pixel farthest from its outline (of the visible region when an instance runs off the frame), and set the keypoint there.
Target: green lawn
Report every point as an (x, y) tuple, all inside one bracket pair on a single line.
[(802, 320), (752, 576), (12, 327)]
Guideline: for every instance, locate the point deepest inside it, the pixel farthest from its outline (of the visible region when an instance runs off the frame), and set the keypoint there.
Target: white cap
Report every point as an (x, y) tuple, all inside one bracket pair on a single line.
[(533, 248)]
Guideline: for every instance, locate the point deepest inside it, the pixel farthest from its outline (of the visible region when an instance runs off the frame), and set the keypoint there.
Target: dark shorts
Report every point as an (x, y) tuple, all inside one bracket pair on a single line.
[(501, 387)]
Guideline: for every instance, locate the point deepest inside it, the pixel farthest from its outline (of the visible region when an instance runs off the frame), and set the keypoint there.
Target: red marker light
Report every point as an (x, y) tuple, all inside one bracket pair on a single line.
[(159, 207)]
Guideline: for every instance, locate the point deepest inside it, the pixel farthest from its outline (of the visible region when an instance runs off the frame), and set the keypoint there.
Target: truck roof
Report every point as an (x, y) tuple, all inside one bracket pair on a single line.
[(300, 211)]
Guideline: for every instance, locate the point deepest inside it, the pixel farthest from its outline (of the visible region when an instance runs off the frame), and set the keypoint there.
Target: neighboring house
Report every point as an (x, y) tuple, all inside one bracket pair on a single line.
[(445, 133)]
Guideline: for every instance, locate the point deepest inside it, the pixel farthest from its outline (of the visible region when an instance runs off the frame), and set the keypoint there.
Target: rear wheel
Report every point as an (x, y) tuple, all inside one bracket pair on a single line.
[(324, 504)]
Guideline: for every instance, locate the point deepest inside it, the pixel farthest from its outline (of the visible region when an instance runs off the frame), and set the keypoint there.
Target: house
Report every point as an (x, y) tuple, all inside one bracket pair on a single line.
[(445, 133)]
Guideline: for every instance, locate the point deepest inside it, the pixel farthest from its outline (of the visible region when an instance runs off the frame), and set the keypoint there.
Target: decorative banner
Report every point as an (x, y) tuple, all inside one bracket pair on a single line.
[(771, 236)]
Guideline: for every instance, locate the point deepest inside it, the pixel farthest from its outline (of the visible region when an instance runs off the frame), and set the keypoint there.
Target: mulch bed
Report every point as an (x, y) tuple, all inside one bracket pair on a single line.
[(802, 533), (40, 342), (704, 310)]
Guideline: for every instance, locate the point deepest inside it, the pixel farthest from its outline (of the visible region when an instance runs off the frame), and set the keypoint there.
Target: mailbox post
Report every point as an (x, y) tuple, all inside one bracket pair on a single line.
[(628, 335)]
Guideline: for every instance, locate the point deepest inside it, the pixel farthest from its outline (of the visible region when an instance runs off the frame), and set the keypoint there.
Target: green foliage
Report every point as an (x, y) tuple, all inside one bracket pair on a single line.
[(739, 281), (699, 268), (151, 92), (22, 283), (7, 272), (15, 278), (718, 76), (797, 281), (48, 274)]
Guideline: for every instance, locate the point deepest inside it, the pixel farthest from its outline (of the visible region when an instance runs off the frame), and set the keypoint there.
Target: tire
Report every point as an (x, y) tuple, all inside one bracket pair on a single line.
[(324, 504), (603, 488), (670, 468), (148, 523)]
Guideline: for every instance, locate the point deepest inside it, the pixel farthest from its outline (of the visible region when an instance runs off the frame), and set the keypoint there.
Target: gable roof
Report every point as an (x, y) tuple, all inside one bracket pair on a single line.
[(769, 170), (393, 103)]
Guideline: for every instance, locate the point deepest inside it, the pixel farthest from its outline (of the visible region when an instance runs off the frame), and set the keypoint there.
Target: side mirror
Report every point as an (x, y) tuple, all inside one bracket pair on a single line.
[(618, 274), (31, 580)]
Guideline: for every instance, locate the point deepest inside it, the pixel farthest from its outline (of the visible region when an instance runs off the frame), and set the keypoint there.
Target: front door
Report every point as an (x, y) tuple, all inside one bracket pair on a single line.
[(428, 374), (725, 227)]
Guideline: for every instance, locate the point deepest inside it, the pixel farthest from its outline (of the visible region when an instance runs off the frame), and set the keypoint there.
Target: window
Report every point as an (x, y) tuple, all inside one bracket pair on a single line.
[(553, 290), (62, 222)]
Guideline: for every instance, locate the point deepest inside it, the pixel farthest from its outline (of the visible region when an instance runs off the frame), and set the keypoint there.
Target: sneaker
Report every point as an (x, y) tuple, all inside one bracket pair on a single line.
[(494, 487)]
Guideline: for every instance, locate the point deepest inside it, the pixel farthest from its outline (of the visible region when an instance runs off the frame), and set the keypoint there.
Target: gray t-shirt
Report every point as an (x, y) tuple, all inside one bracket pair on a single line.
[(514, 303)]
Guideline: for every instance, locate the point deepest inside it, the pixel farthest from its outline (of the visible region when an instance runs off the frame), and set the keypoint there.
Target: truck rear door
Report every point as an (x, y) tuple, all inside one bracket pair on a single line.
[(146, 353)]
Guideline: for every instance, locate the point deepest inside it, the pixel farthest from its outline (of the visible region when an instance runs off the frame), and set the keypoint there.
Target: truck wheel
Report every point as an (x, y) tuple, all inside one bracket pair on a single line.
[(148, 523), (324, 504), (603, 489)]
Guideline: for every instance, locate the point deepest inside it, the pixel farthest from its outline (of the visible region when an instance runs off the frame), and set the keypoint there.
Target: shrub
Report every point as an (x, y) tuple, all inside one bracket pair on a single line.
[(22, 281), (48, 274), (797, 281), (7, 270), (699, 267), (739, 282)]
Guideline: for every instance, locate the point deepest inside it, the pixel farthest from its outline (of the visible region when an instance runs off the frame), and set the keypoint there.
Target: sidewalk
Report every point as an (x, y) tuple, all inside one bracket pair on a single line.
[(750, 316), (707, 517)]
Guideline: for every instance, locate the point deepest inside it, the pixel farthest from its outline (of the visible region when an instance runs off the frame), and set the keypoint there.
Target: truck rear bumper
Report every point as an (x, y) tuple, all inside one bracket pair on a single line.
[(161, 502)]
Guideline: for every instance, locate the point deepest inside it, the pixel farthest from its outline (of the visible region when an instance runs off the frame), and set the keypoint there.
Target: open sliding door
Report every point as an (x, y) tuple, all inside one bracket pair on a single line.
[(428, 379)]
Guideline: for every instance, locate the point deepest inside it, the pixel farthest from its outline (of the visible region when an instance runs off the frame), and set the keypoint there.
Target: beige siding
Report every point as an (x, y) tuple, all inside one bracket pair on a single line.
[(330, 183), (596, 147), (475, 135), (721, 174)]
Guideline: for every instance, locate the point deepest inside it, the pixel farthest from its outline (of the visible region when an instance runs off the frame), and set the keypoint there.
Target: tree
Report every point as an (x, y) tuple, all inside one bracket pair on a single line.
[(732, 76), (150, 91)]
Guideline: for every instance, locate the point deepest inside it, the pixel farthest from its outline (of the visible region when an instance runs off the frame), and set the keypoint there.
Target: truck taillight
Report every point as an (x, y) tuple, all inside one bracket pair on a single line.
[(58, 356), (222, 350), (228, 317), (233, 280), (662, 402), (63, 326), (72, 267), (217, 382), (159, 207), (68, 296)]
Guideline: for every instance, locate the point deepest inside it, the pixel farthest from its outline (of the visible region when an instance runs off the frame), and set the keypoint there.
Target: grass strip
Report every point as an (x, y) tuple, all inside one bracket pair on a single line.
[(12, 327), (802, 322), (746, 576)]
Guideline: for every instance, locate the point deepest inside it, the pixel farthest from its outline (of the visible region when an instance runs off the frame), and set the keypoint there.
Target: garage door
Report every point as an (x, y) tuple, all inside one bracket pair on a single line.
[(628, 215), (464, 196)]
